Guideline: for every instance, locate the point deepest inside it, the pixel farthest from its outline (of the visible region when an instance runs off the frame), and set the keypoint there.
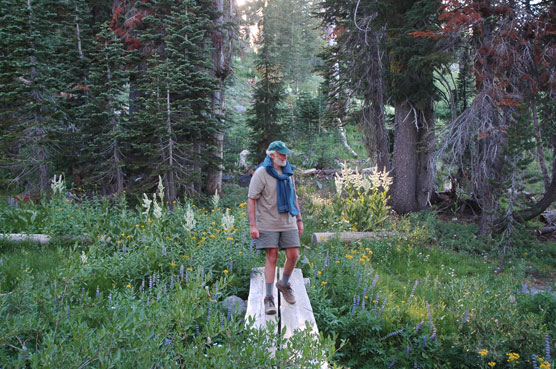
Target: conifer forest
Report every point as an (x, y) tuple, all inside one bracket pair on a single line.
[(129, 130)]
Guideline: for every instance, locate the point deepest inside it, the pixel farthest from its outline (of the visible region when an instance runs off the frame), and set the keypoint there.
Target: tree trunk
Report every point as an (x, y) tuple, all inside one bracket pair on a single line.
[(376, 136), (412, 164), (540, 151), (171, 185)]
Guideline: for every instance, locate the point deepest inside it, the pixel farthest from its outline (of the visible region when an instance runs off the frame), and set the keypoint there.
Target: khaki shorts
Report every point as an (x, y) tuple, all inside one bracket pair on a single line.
[(278, 240)]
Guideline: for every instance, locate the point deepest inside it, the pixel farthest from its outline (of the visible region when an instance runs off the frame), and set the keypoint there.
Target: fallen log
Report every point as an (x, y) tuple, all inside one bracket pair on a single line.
[(44, 239), (348, 237), (546, 230), (548, 217)]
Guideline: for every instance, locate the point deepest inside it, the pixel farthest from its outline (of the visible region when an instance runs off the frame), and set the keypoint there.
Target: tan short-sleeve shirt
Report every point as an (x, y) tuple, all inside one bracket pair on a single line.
[(263, 189)]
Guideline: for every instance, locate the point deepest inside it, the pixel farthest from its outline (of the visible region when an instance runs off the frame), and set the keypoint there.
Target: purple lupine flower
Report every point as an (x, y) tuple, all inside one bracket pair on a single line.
[(158, 295), (110, 297), (82, 293), (68, 311), (363, 303), (424, 340), (172, 282), (55, 309), (165, 289), (465, 316), (415, 366), (354, 305), (391, 365), (163, 251), (151, 283), (208, 314), (125, 249), (419, 325), (358, 300), (186, 276), (535, 363), (197, 329), (148, 301), (547, 340), (407, 349), (221, 320), (142, 288), (375, 279), (215, 294), (167, 341), (98, 292), (414, 288), (392, 334), (181, 271), (1, 261), (231, 265), (229, 315)]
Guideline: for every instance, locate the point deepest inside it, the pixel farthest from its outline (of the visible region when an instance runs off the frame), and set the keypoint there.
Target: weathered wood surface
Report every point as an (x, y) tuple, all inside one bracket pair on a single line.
[(348, 237), (295, 316), (45, 239), (549, 217), (255, 302)]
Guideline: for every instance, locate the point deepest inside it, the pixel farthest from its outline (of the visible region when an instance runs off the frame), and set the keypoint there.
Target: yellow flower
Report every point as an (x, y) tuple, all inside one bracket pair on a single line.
[(403, 301), (229, 238), (242, 204), (545, 365), (146, 247), (226, 271), (323, 283), (118, 242), (212, 236), (366, 297), (512, 356), (243, 214), (241, 252), (213, 223), (337, 261), (128, 286), (172, 264), (137, 225), (193, 238), (319, 272), (492, 364), (190, 269), (349, 256), (123, 234), (483, 352)]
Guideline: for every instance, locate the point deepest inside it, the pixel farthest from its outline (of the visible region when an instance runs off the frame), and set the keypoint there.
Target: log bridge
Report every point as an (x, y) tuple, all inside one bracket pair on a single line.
[(289, 318)]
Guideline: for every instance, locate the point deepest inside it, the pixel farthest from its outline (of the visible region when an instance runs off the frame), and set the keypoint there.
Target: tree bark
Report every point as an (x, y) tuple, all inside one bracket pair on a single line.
[(540, 151), (412, 162)]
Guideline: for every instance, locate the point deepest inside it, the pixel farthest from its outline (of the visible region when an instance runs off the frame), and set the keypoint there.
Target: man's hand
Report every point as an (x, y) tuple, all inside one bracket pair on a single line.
[(254, 232), (300, 227)]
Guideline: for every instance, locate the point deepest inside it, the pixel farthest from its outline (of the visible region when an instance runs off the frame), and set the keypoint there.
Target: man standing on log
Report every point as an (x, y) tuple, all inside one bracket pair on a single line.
[(274, 218)]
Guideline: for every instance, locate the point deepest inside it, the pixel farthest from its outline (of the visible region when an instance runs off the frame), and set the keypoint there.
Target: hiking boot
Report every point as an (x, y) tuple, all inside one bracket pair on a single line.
[(269, 307), (287, 292)]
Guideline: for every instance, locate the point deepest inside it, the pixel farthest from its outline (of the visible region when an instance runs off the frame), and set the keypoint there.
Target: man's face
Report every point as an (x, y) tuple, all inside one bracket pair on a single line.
[(279, 159)]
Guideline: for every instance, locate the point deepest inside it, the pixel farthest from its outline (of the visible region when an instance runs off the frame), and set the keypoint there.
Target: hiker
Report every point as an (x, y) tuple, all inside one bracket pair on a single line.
[(274, 218)]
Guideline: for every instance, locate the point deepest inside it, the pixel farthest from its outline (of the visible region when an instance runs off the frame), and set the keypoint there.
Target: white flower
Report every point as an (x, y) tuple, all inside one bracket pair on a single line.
[(160, 189), (83, 257), (57, 185), (146, 204), (157, 210), (215, 200), (190, 221), (228, 220)]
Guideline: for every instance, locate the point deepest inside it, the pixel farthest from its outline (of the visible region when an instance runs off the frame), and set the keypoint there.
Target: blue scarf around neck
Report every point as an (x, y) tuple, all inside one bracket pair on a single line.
[(284, 188)]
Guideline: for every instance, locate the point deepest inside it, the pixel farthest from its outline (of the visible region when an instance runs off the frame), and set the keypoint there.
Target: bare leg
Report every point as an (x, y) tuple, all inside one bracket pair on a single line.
[(292, 254), (270, 265)]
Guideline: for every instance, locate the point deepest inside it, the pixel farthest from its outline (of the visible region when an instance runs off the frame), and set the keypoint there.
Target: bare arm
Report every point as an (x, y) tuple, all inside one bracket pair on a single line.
[(253, 230)]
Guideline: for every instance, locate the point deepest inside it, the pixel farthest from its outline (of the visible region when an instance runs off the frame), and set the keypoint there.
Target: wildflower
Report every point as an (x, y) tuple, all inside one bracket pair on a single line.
[(118, 242), (172, 264), (83, 257), (349, 256), (228, 220), (242, 205), (160, 189), (512, 356), (189, 217), (128, 286), (146, 247), (545, 365), (215, 200), (190, 269), (123, 234), (157, 210), (225, 271), (492, 364), (323, 283), (229, 238), (483, 352), (146, 204), (57, 185)]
